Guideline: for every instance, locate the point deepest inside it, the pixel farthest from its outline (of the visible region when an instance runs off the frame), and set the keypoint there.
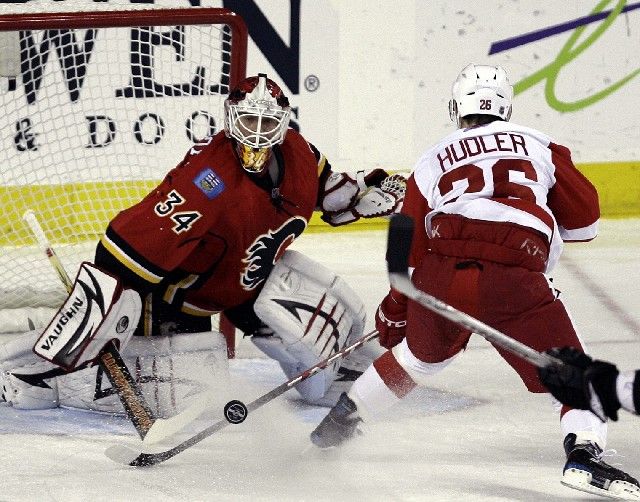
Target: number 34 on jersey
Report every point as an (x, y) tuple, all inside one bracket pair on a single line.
[(183, 220)]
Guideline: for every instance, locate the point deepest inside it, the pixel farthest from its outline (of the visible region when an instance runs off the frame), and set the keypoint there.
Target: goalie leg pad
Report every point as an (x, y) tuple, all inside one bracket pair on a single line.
[(170, 370), (313, 314), (352, 366), (22, 375), (97, 312), (294, 361)]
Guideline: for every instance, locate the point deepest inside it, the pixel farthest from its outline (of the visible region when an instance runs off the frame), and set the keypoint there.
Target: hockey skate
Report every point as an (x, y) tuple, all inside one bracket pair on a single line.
[(586, 471), (339, 425)]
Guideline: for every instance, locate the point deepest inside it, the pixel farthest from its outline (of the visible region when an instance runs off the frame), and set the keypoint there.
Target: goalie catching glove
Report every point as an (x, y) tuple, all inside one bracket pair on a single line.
[(345, 200)]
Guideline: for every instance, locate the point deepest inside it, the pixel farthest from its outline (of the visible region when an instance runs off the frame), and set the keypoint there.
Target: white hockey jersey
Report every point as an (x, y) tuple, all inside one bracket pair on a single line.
[(504, 172)]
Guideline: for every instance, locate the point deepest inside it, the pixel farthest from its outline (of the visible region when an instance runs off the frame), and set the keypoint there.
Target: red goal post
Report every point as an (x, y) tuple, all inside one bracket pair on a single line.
[(97, 107)]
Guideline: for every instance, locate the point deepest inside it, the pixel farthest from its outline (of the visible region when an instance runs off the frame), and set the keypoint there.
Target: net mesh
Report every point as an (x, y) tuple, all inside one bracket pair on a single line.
[(92, 118)]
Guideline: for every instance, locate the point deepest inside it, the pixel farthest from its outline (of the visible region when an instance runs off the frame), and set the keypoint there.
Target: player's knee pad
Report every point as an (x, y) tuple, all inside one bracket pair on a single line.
[(169, 370), (313, 314)]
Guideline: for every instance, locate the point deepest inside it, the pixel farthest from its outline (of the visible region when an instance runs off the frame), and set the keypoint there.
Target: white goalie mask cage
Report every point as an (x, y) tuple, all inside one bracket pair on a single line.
[(257, 113), (481, 89)]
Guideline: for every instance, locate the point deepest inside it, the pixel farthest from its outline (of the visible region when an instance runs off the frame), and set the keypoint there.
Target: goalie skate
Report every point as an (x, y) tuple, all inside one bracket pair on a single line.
[(351, 367), (586, 471), (340, 425)]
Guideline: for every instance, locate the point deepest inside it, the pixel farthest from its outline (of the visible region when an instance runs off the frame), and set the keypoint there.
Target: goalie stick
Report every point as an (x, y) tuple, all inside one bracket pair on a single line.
[(234, 411), (398, 246), (130, 394)]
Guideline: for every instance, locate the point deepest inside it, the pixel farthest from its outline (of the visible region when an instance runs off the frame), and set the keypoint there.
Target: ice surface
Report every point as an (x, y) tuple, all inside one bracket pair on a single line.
[(475, 434)]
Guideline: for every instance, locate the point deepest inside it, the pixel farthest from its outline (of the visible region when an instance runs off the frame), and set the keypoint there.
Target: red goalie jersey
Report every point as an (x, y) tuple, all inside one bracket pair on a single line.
[(207, 237)]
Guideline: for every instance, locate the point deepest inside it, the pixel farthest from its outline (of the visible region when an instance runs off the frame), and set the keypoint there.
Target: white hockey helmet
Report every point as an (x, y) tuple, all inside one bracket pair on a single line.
[(483, 90), (257, 116)]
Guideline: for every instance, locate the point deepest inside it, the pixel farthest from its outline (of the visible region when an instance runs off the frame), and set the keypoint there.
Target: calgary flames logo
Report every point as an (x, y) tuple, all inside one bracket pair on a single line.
[(265, 251)]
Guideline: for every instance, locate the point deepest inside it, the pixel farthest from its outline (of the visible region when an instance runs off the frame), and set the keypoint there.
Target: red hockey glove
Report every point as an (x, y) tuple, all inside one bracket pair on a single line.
[(391, 319)]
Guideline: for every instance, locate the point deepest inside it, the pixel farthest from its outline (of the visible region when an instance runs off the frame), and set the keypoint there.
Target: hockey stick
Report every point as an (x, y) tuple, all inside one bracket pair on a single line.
[(235, 412), (130, 394), (398, 247)]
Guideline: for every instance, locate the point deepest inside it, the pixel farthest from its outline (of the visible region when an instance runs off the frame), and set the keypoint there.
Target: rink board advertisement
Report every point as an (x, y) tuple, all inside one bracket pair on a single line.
[(370, 82)]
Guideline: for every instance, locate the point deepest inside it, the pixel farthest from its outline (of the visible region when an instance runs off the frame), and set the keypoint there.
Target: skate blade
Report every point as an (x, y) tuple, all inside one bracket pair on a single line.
[(581, 480)]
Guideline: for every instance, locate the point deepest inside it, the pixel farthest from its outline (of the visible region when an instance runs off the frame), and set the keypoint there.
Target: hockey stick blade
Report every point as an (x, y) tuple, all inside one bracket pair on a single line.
[(136, 458), (164, 428), (398, 247), (143, 457)]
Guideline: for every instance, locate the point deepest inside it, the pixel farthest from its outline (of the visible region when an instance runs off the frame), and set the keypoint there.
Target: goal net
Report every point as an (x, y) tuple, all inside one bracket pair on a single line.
[(96, 108)]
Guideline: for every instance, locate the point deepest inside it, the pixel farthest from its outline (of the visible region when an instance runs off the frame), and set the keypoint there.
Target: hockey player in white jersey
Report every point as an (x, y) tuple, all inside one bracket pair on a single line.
[(493, 203)]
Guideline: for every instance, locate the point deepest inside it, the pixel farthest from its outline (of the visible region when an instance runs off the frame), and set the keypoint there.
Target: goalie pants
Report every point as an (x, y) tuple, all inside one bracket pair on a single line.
[(162, 319), (514, 300)]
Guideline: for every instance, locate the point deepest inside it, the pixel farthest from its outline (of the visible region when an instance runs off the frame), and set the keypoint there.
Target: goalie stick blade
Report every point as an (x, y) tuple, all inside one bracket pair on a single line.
[(165, 429), (127, 456), (399, 243), (139, 458), (122, 454), (128, 390)]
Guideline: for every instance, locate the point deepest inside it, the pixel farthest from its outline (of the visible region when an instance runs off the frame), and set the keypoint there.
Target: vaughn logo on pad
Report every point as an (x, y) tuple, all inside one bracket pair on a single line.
[(75, 324)]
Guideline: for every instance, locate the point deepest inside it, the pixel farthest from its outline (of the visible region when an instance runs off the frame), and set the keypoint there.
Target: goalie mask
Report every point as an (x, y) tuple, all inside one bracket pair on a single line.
[(257, 116), (481, 89)]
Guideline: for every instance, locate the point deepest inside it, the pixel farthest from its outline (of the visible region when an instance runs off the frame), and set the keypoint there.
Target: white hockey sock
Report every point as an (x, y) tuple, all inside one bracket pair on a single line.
[(584, 424), (371, 395)]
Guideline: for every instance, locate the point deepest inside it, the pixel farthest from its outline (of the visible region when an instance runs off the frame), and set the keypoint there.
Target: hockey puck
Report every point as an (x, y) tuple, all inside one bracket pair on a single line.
[(235, 412)]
